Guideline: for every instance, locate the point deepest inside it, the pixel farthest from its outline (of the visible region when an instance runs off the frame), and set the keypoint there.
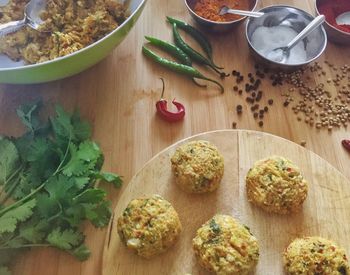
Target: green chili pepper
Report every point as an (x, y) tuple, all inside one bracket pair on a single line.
[(179, 68), (172, 49), (175, 51), (196, 56), (197, 35)]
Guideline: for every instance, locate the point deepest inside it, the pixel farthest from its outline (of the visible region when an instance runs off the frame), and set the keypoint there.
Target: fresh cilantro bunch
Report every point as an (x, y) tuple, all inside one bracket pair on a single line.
[(48, 185)]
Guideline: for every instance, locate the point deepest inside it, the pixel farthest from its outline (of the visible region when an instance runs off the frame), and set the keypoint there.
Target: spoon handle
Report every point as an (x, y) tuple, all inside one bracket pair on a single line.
[(246, 13), (314, 24), (11, 27)]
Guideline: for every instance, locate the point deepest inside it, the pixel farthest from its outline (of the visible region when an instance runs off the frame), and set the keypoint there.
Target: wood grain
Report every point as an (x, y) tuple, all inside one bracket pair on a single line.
[(119, 94), (325, 213)]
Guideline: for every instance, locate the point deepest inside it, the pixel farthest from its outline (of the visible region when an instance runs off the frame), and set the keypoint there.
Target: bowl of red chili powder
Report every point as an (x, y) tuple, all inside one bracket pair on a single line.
[(206, 13), (331, 9)]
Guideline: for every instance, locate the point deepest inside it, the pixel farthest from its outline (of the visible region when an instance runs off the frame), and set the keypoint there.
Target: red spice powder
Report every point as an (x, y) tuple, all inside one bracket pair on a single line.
[(331, 9), (209, 9)]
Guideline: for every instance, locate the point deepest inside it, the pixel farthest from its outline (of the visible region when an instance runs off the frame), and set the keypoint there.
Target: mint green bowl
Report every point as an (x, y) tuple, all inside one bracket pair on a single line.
[(15, 73)]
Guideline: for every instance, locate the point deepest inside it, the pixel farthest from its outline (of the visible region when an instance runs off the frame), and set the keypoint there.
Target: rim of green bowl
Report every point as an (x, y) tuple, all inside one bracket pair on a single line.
[(79, 51)]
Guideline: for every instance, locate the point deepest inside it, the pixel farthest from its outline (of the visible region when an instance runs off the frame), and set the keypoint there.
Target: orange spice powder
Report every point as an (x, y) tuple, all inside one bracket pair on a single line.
[(209, 9)]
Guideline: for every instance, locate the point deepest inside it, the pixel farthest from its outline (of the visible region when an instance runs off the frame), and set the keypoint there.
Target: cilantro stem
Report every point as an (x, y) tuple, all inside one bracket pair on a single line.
[(10, 178), (56, 215), (65, 155), (10, 191), (17, 203), (25, 245)]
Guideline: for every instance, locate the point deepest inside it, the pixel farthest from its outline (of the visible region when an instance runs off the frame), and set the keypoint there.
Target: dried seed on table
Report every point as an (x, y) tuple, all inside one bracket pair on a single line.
[(259, 96), (250, 100), (234, 125), (261, 124)]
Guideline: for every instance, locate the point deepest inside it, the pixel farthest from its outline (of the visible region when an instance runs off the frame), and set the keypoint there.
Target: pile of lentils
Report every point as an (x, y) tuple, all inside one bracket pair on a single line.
[(324, 105)]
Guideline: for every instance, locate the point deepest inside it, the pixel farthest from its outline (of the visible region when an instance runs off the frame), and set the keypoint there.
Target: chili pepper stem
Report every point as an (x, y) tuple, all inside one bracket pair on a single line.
[(222, 89), (198, 84), (215, 69), (163, 89), (216, 66)]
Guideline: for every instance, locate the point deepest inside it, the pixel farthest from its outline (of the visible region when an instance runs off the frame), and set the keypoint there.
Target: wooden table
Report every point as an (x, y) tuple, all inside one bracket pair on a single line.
[(119, 94)]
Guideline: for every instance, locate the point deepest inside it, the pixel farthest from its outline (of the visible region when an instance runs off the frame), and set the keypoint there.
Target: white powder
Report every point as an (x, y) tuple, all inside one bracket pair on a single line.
[(266, 39)]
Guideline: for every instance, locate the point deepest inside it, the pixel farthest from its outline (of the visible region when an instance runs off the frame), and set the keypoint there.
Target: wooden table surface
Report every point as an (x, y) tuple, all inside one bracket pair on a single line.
[(119, 94)]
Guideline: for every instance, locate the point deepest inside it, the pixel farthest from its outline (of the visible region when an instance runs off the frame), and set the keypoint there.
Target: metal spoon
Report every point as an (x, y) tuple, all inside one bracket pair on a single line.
[(225, 10), (281, 54), (31, 18), (344, 18)]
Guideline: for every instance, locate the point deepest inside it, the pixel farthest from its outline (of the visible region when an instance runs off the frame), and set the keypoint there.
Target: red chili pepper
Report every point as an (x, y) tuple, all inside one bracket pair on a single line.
[(346, 144), (162, 109)]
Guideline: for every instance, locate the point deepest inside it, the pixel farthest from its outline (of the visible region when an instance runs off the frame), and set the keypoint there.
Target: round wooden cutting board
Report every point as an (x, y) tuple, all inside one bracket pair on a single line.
[(326, 211)]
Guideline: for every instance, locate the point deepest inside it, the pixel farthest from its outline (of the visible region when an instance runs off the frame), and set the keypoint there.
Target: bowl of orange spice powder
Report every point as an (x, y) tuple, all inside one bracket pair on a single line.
[(206, 12)]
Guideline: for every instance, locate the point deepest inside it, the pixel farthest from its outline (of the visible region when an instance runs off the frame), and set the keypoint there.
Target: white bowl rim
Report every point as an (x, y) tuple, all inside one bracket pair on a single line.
[(285, 64), (76, 52), (216, 22), (328, 24)]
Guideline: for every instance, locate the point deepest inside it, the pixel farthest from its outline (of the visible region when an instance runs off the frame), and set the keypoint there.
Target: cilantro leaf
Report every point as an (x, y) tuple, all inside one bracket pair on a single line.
[(99, 215), (28, 114), (23, 188), (89, 151), (75, 165), (59, 187), (82, 253), (43, 159), (47, 206), (11, 218), (82, 128), (9, 159), (61, 124), (214, 226), (110, 178), (66, 239), (94, 195), (81, 182), (33, 230)]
